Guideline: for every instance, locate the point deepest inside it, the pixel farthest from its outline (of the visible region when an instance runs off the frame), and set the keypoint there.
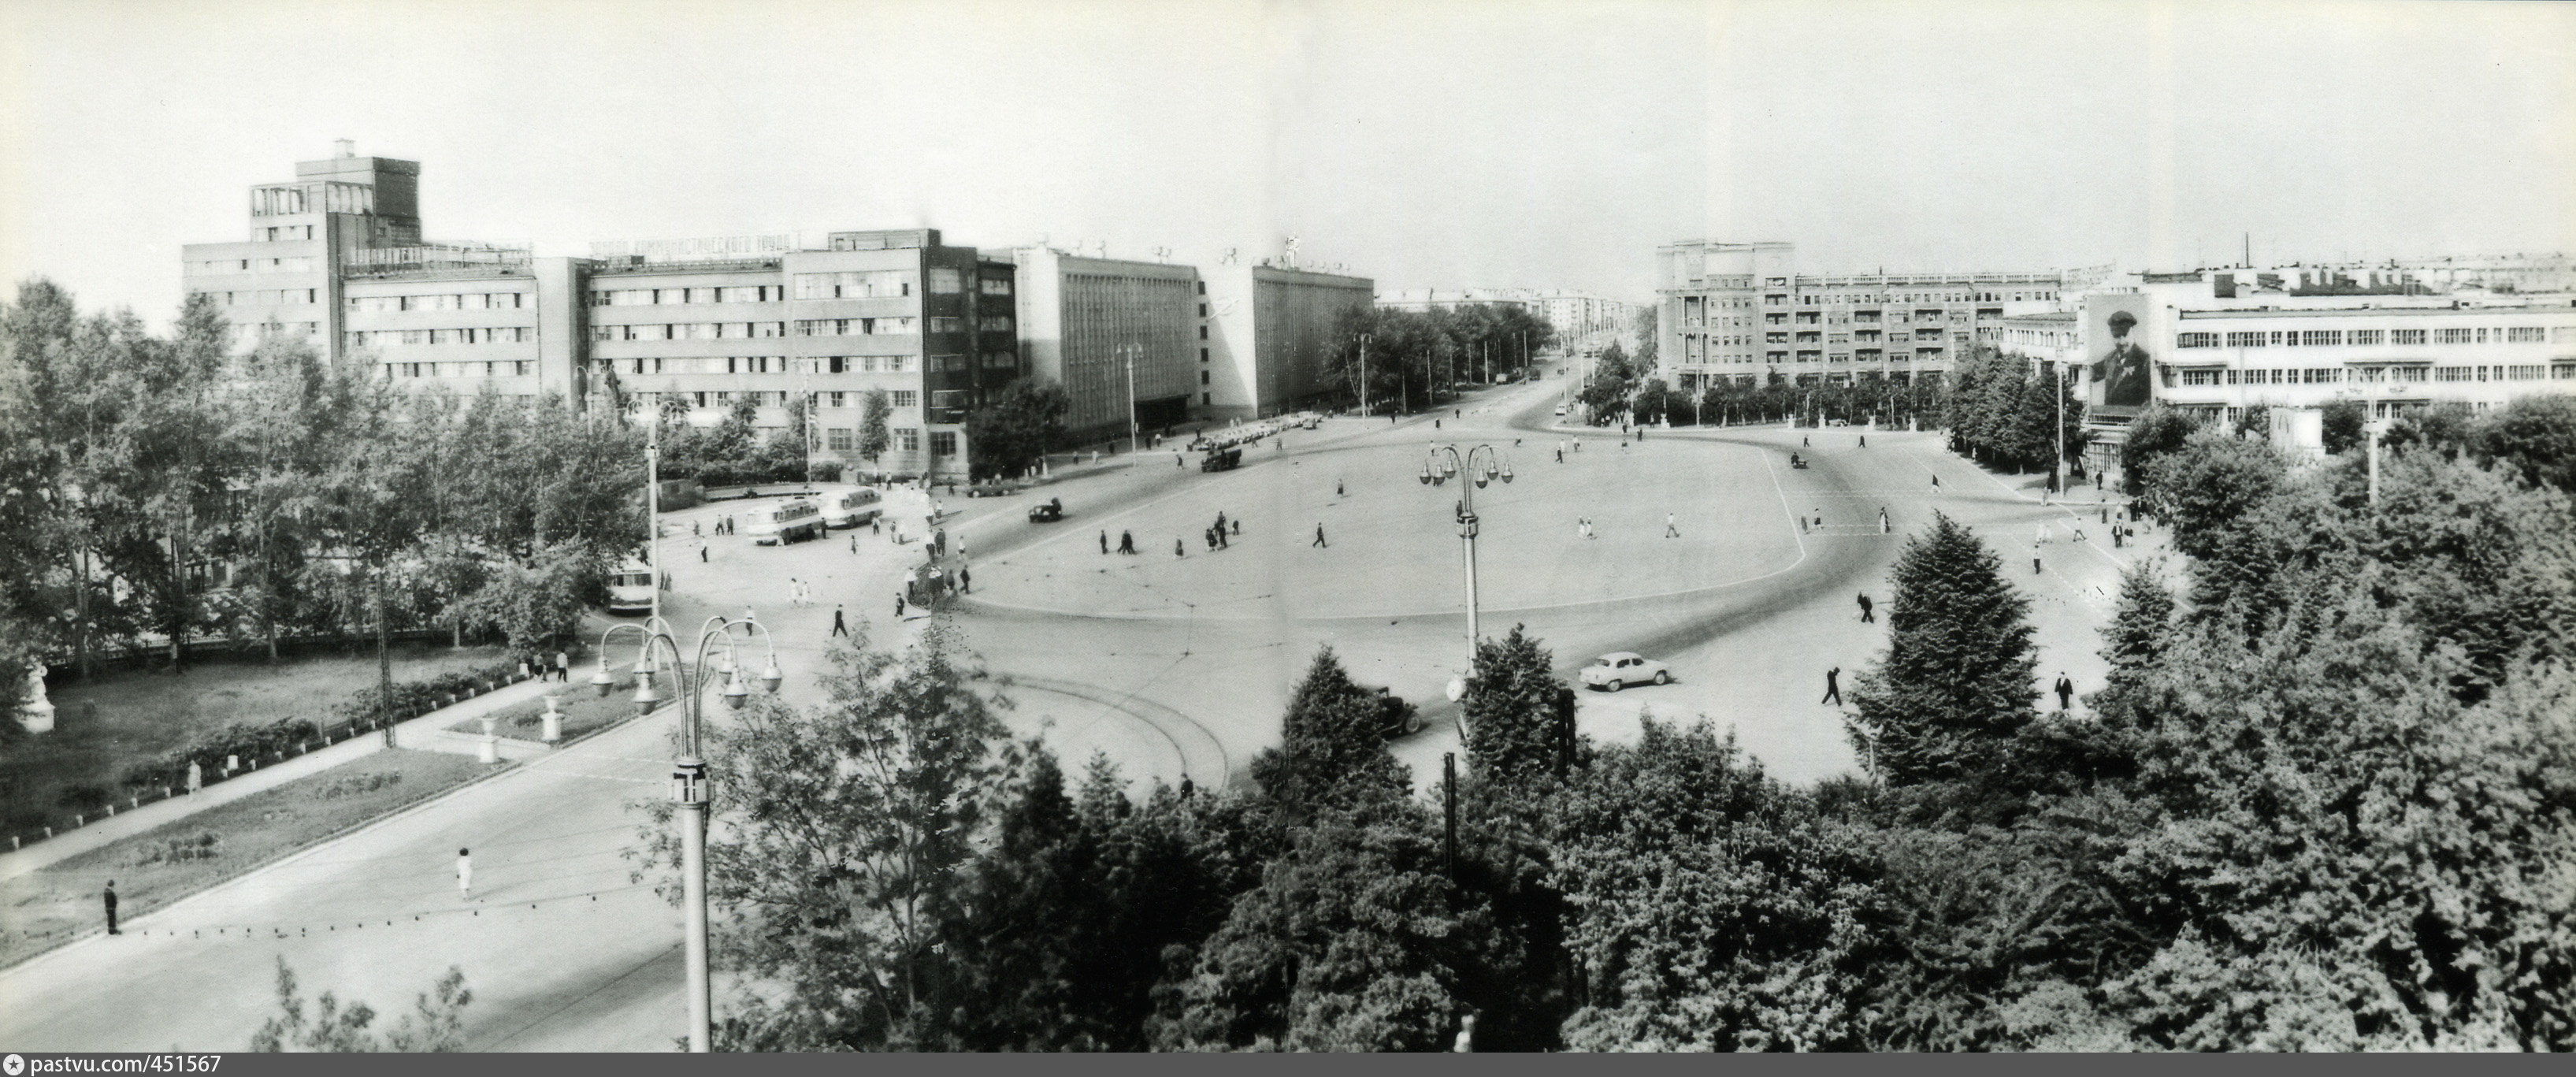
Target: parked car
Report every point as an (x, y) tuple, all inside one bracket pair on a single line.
[(991, 488), (1047, 512), (1396, 718), (1612, 672), (1560, 411)]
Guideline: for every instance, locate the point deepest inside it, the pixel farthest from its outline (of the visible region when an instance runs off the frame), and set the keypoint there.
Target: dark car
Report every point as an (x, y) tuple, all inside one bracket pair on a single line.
[(1048, 512), (1396, 717), (1221, 460)]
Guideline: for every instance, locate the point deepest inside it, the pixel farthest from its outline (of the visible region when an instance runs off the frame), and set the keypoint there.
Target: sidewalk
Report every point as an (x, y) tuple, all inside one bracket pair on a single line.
[(426, 732)]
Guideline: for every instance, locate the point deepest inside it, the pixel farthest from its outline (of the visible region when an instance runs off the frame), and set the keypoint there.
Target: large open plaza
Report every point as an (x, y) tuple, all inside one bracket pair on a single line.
[(1172, 664)]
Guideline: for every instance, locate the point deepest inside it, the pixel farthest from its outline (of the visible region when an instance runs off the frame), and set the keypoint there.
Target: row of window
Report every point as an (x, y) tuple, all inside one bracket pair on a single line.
[(905, 438), (281, 233), (901, 398), (689, 331), (267, 297), (775, 364), (2316, 338), (508, 334), (867, 327), (645, 297), (387, 304), (517, 369), (297, 264), (2339, 375), (866, 284)]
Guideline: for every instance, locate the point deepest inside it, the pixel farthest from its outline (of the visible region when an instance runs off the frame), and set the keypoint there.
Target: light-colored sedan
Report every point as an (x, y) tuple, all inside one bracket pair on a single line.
[(1616, 671)]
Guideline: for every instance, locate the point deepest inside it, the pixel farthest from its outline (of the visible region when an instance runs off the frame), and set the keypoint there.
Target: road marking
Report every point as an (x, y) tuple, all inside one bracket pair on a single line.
[(1800, 531)]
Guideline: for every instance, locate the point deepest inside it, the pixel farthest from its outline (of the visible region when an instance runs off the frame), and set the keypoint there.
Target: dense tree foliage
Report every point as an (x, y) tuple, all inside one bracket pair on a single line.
[(2154, 432), (1955, 685), (1009, 435), (1520, 716), (1413, 359), (2007, 410), (173, 488)]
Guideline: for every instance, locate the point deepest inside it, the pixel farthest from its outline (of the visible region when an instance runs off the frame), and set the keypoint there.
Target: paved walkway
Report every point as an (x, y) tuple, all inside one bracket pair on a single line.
[(427, 732)]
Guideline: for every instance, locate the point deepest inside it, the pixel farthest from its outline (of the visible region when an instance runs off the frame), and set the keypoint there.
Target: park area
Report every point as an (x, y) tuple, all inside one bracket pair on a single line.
[(126, 718), (160, 866)]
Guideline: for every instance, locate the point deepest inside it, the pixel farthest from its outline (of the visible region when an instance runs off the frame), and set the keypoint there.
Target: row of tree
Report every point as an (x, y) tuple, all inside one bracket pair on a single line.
[(2326, 800), (1403, 360), (2006, 410), (166, 487)]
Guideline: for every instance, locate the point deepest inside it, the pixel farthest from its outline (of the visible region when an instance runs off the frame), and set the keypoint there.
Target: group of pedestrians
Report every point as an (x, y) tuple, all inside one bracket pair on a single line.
[(1126, 543), (1217, 534)]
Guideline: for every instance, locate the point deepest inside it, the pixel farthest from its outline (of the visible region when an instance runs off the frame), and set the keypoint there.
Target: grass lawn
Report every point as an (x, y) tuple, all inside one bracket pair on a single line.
[(583, 711), (162, 865), (142, 715)]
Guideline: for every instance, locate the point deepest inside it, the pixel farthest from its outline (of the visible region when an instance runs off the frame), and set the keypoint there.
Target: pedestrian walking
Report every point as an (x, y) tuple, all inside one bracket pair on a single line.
[(1671, 528), (1802, 442), (1864, 441), (2065, 692), (966, 579), (1180, 548), (875, 526), (1578, 444), (1238, 529), (1210, 536), (108, 898), (1802, 525), (563, 667), (898, 607), (839, 627), (1319, 536), (854, 543), (1882, 519), (697, 529), (702, 553), (1866, 616), (1833, 687), (465, 874), (1127, 543), (1936, 482), (1337, 487), (1104, 543)]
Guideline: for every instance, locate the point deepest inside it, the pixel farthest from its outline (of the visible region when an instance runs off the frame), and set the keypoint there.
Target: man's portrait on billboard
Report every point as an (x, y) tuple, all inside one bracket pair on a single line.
[(2123, 370)]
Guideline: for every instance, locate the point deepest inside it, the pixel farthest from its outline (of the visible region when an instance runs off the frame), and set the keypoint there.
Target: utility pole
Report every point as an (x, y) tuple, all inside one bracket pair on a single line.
[(1364, 375), (1130, 352), (2057, 471), (653, 503)]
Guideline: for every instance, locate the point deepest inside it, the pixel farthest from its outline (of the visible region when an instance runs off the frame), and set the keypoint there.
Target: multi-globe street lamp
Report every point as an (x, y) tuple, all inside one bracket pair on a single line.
[(689, 786), (1482, 464)]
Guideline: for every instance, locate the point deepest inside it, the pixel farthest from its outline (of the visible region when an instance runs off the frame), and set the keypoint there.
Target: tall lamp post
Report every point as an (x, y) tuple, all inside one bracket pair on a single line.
[(1129, 352), (1364, 375), (689, 787), (1483, 464)]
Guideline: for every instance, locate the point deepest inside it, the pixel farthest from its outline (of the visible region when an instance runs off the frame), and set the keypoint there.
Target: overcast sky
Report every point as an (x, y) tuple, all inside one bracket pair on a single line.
[(1426, 144)]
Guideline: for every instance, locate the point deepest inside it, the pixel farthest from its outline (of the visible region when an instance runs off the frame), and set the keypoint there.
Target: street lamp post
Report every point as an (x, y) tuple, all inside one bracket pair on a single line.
[(1130, 353), (1443, 464), (689, 786), (1364, 375)]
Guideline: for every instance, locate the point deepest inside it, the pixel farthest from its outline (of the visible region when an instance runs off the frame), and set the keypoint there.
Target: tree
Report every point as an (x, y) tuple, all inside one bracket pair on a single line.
[(1955, 685), (1354, 941), (537, 605), (1708, 907), (1332, 752), (2344, 426), (842, 838), (438, 1023), (1520, 716), (874, 437), (1017, 429), (2134, 641), (2534, 437), (2156, 431)]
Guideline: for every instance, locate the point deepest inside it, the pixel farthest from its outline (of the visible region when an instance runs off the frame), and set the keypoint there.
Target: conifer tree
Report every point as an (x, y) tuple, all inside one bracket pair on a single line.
[(1956, 683), (1332, 751), (1520, 716)]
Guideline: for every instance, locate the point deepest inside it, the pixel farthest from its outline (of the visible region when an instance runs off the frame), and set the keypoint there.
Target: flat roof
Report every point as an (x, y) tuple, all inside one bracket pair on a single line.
[(2378, 312)]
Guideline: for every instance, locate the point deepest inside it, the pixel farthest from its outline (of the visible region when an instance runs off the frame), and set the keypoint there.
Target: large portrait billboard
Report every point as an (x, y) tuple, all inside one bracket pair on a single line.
[(2122, 370)]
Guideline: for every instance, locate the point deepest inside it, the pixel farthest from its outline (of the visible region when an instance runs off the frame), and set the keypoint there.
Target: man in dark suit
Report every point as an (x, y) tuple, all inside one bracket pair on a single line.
[(2065, 692), (2123, 370), (110, 899)]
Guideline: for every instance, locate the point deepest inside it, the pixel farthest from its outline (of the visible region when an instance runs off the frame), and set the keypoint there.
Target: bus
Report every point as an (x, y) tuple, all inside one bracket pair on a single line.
[(785, 522), (630, 588), (851, 508)]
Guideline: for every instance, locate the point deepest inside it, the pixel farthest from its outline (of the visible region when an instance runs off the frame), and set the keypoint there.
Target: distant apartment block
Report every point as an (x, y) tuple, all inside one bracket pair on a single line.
[(1742, 313), (1573, 314)]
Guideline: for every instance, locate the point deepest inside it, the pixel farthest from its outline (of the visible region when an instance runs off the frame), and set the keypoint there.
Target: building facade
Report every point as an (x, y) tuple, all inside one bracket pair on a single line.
[(699, 324), (1121, 337), (1741, 312), (1269, 333), (2204, 343)]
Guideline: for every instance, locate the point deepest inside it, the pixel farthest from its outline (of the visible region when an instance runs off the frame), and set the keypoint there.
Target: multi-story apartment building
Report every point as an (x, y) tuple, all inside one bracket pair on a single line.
[(2201, 342), (337, 256), (1574, 315), (1123, 338), (1269, 331), (1740, 312)]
